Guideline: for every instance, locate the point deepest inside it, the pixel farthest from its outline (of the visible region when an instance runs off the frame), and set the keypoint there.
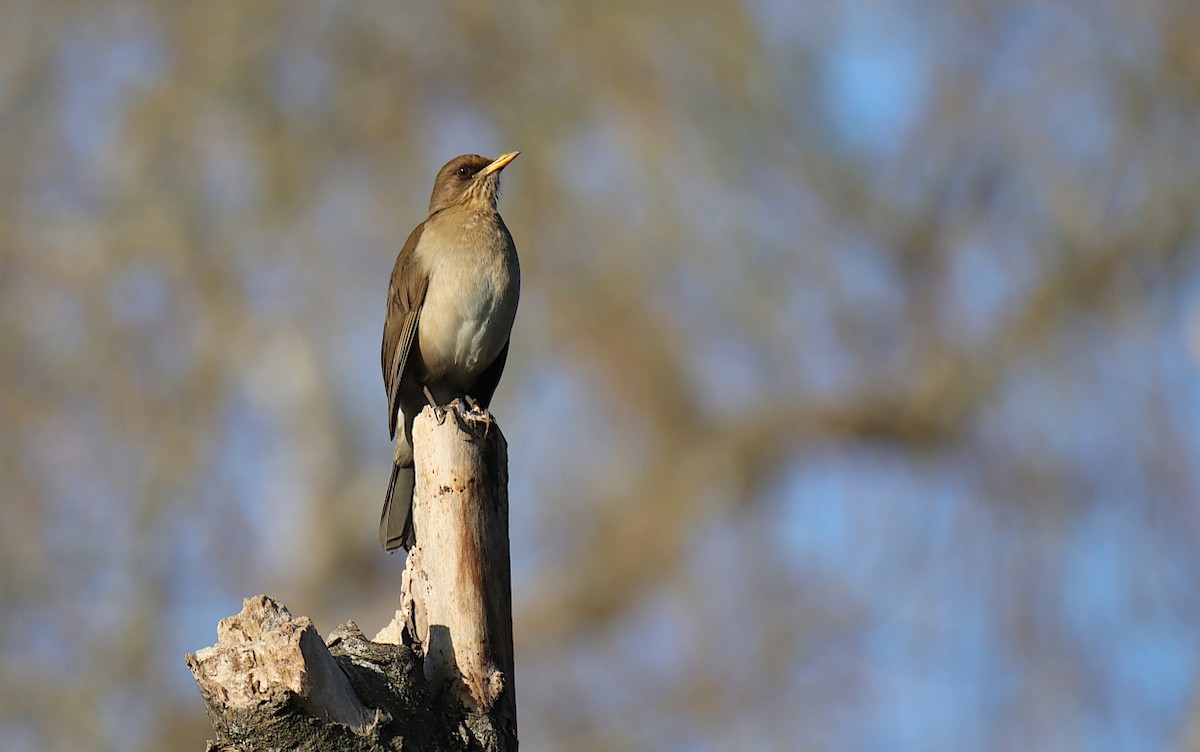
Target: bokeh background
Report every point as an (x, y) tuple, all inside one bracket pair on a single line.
[(854, 398)]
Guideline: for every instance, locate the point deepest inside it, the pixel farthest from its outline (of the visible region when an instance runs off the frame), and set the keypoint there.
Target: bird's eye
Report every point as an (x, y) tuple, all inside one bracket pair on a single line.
[(464, 171)]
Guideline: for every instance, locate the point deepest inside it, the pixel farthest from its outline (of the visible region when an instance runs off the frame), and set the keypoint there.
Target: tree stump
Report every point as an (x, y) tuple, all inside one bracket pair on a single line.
[(456, 591), (439, 677)]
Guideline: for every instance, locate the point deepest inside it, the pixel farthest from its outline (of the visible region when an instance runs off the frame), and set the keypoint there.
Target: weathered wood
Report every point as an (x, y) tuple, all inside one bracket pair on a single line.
[(439, 677), (263, 653), (270, 683), (456, 593)]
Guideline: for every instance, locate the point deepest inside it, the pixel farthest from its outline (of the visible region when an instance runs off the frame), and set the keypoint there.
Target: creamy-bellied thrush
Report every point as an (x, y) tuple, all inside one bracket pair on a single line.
[(450, 310)]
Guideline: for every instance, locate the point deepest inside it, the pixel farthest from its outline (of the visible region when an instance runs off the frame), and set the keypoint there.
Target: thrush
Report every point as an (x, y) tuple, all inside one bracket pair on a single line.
[(450, 309)]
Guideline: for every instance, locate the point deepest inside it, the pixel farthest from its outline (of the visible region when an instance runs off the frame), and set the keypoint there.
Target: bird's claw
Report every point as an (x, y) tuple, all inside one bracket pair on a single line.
[(439, 412), (479, 412)]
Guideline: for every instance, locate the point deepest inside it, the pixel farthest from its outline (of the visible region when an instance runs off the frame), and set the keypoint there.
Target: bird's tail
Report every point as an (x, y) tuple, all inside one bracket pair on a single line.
[(395, 526)]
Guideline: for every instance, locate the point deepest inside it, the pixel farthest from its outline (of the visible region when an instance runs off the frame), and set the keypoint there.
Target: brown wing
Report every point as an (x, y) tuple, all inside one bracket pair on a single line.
[(406, 293)]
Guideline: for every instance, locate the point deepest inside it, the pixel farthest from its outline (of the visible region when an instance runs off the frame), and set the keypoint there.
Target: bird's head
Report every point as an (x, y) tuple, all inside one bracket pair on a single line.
[(469, 178)]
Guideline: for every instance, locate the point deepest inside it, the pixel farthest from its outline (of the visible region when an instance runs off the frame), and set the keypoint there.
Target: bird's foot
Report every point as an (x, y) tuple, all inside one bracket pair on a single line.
[(479, 412), (439, 412)]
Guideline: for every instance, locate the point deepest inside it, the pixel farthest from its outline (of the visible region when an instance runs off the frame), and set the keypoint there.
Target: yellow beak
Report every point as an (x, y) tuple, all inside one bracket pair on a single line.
[(498, 163)]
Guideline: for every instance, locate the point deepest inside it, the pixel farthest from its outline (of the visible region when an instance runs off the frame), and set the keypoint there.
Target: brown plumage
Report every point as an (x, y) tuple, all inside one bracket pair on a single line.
[(451, 304)]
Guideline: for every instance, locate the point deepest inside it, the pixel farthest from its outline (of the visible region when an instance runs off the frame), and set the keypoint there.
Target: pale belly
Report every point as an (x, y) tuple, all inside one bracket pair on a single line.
[(467, 316)]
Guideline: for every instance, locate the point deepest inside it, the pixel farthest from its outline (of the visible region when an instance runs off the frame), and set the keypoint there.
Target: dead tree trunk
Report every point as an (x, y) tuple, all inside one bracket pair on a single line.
[(456, 595), (439, 677)]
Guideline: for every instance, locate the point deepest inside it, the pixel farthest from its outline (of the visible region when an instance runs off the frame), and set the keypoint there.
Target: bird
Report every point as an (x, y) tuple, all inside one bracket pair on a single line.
[(451, 303)]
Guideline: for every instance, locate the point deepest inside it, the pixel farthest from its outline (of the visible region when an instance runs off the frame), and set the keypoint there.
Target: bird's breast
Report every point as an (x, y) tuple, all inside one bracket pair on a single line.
[(471, 300)]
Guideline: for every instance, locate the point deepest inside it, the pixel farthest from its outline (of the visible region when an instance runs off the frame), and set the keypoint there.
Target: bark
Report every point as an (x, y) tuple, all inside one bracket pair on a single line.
[(439, 677)]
